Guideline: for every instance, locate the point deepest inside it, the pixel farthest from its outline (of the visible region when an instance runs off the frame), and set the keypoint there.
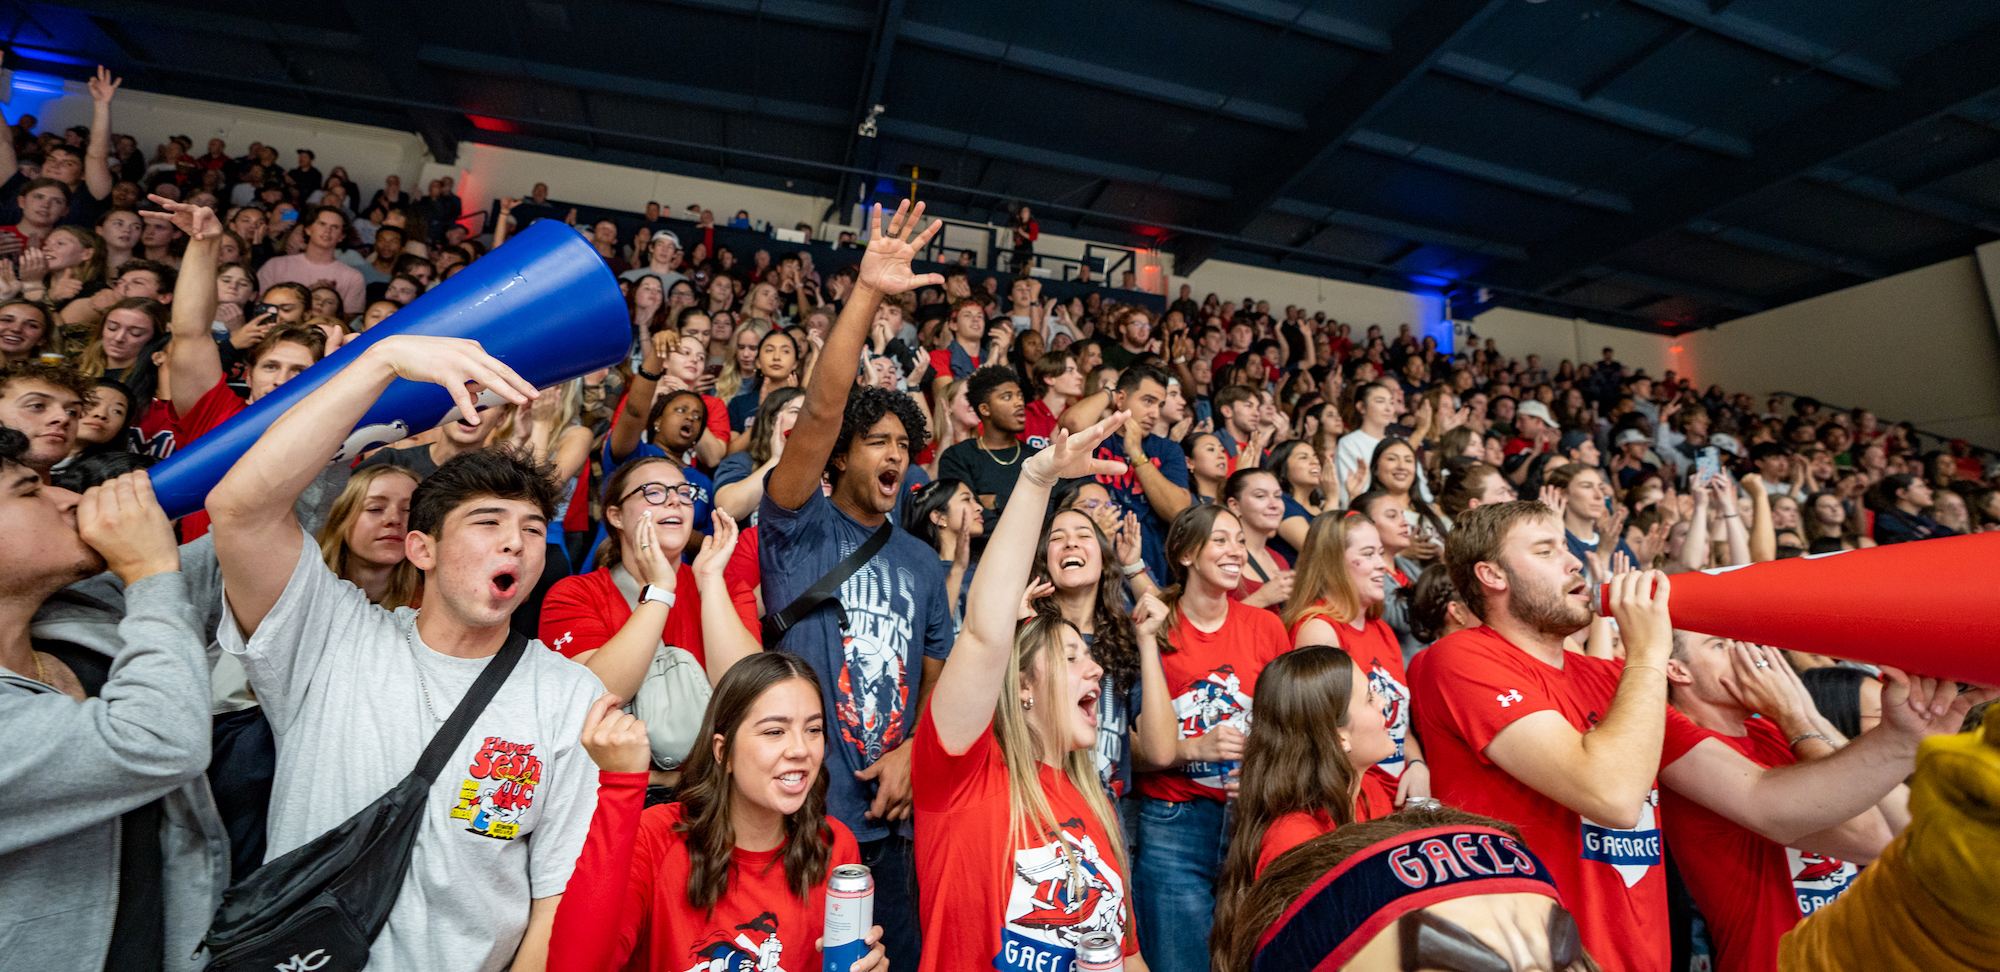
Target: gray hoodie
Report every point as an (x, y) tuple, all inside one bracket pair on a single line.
[(70, 770)]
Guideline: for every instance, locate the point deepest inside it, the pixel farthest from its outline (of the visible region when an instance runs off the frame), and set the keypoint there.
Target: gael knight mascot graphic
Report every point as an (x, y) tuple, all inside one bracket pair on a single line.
[(1062, 891)]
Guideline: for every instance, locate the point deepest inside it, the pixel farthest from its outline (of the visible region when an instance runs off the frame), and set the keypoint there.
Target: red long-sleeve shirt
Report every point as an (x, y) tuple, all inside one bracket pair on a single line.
[(626, 905)]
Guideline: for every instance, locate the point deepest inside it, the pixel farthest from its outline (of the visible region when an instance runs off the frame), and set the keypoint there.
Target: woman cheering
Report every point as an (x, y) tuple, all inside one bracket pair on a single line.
[(733, 875), (1019, 853)]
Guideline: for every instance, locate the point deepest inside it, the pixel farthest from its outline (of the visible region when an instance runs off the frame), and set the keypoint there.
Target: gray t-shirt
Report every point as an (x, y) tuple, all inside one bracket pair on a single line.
[(339, 679)]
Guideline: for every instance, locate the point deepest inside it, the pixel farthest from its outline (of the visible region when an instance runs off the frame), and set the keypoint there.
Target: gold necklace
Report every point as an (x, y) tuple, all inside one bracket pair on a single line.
[(996, 459), (41, 672)]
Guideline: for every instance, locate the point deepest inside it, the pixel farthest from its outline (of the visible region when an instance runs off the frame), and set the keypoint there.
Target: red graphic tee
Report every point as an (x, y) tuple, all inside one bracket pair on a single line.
[(1750, 890), (1212, 677), (166, 431), (1472, 684), (1012, 902), (626, 905), (1379, 655), (1040, 427)]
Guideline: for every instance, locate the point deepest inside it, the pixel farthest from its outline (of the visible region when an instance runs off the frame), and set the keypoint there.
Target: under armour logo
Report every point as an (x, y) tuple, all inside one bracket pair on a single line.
[(304, 963), (1509, 697), (567, 637)]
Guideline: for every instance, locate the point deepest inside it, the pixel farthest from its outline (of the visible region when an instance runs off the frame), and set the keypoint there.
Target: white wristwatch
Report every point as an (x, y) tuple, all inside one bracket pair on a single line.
[(664, 595)]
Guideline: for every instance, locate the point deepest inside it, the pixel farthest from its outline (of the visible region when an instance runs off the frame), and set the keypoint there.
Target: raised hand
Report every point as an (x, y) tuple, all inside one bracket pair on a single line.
[(1035, 592), (715, 554), (655, 565), (35, 266), (198, 222), (1555, 499), (123, 522), (9, 284), (885, 265), (103, 87), (1923, 707), (1149, 616), (1757, 682), (458, 365), (616, 740), (1639, 602), (1357, 480), (1070, 456)]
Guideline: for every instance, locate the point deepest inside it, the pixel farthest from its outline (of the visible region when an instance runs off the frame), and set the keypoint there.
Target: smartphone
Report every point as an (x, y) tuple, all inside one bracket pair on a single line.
[(290, 216), (1708, 463), (261, 309)]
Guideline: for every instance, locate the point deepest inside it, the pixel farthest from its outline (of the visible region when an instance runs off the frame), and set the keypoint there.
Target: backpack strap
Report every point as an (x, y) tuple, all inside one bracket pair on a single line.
[(775, 625), (482, 691)]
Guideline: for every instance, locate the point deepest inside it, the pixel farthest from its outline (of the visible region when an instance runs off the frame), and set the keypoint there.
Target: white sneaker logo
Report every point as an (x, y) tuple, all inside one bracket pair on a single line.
[(304, 963), (1508, 697)]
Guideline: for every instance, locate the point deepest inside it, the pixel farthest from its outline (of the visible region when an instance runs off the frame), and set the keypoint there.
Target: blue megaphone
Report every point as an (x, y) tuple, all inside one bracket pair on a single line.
[(545, 303)]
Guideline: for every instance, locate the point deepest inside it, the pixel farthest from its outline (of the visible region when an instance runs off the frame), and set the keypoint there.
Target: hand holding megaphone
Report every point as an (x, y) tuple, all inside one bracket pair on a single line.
[(1638, 599)]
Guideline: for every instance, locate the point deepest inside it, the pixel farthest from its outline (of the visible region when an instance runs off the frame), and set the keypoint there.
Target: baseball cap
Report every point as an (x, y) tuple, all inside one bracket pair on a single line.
[(1630, 436), (669, 234), (1726, 442), (1573, 439), (1536, 409)]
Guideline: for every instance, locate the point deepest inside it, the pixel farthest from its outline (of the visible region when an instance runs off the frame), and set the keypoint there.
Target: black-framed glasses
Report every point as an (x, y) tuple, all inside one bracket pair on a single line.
[(656, 493)]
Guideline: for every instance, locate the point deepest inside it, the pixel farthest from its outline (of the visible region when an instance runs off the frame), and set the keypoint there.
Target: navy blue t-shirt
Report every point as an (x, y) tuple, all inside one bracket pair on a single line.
[(1125, 489), (897, 617), (1115, 715), (1277, 543)]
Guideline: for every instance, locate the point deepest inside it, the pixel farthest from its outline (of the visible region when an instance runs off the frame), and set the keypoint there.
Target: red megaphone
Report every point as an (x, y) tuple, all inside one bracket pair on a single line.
[(1929, 607)]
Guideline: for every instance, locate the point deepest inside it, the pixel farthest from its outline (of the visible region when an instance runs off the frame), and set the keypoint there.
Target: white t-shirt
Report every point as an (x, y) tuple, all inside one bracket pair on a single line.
[(1355, 449), (339, 679)]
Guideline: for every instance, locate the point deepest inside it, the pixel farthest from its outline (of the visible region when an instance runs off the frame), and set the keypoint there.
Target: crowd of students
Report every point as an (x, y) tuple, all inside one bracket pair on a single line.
[(1063, 618)]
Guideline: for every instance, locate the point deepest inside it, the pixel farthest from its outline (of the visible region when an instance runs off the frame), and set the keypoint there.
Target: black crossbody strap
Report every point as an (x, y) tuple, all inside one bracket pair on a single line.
[(482, 691), (775, 625)]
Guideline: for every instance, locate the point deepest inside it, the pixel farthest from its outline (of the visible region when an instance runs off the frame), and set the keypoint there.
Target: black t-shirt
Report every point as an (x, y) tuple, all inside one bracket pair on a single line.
[(986, 474), (416, 458), (84, 208), (139, 932), (1295, 343)]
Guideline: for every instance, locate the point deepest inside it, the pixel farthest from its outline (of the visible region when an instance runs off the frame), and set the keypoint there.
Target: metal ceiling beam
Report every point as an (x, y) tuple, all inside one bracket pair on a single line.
[(1062, 161), (863, 142), (393, 49), (811, 114), (1300, 20), (1408, 231), (1928, 204), (1778, 43), (247, 28), (804, 12), (1457, 163), (1591, 105), (1631, 62), (1937, 82), (989, 51), (1788, 249), (1415, 45), (1670, 286)]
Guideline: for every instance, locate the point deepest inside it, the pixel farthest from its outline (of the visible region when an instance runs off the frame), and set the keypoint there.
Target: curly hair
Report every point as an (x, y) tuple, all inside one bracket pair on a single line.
[(495, 471), (983, 383), (867, 406)]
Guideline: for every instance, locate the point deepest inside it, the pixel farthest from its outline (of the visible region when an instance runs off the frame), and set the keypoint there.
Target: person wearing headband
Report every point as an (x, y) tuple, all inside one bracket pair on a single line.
[(1433, 889)]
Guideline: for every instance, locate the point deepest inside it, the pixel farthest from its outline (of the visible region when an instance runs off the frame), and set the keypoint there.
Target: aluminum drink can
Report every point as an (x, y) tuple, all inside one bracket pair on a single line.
[(1100, 952), (850, 913)]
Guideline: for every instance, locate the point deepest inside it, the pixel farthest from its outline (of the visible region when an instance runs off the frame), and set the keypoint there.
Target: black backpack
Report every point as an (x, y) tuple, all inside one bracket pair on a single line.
[(320, 907)]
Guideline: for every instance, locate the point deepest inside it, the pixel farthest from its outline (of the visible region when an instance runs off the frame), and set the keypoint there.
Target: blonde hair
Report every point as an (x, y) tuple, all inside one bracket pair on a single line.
[(749, 311), (730, 382), (1021, 747), (1323, 585), (405, 580)]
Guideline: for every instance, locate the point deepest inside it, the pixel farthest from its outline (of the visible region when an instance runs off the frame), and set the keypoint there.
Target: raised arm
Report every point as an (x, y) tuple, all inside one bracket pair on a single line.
[(1788, 803), (630, 426), (1763, 536), (257, 536), (725, 638), (97, 156), (192, 358), (885, 271), (1606, 773), (962, 703), (1157, 736)]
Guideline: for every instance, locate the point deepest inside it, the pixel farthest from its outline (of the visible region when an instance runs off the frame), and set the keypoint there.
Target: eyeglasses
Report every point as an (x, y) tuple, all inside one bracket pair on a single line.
[(656, 494)]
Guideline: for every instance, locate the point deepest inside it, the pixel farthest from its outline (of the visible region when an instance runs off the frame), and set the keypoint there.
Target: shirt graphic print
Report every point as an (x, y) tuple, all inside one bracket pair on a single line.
[(1210, 702), (1629, 852), (756, 947), (1057, 898), (872, 691), (499, 788)]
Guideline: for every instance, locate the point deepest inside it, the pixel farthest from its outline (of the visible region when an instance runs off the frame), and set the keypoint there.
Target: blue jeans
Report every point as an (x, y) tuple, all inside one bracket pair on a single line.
[(893, 861), (1181, 849)]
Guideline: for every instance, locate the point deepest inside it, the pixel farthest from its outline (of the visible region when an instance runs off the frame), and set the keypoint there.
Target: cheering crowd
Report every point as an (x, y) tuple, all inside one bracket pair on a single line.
[(1065, 618)]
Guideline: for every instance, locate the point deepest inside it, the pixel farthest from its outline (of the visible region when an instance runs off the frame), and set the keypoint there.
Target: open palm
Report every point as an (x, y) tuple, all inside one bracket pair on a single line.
[(885, 266)]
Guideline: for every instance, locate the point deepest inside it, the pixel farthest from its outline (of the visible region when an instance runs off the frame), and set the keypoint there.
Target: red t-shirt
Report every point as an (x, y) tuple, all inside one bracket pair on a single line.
[(1212, 676), (581, 613), (165, 431), (1750, 890), (626, 905), (1377, 652), (1041, 426), (1472, 684), (995, 900), (1251, 583), (1297, 827)]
